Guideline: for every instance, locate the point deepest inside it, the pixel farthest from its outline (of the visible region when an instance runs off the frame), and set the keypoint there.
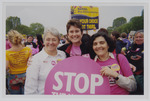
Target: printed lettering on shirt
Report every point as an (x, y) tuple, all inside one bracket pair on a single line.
[(111, 81), (18, 58)]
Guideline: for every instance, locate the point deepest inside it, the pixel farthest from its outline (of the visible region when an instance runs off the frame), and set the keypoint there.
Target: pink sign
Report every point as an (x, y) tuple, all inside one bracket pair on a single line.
[(77, 75)]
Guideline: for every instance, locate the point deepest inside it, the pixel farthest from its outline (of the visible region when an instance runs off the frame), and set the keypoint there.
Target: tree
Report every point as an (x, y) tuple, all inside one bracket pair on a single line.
[(124, 28), (137, 23), (119, 21), (12, 23), (110, 29), (23, 29), (36, 28)]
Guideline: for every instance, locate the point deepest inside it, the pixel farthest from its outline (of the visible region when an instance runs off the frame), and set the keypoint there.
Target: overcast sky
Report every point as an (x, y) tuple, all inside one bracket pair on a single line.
[(58, 15)]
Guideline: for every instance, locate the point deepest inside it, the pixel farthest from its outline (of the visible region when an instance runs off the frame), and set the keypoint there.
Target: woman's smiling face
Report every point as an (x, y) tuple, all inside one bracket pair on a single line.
[(139, 38), (51, 42), (74, 34), (100, 46)]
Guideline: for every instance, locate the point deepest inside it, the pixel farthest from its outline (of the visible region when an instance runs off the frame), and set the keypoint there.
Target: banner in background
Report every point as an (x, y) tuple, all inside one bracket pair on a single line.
[(76, 75), (88, 16)]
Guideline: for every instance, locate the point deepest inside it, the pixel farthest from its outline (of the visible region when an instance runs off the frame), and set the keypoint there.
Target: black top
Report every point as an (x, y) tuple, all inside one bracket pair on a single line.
[(31, 43), (84, 46), (67, 48), (119, 45), (133, 51)]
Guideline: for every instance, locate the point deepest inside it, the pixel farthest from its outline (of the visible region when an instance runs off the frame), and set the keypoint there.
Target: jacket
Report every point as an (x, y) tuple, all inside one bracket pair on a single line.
[(133, 51)]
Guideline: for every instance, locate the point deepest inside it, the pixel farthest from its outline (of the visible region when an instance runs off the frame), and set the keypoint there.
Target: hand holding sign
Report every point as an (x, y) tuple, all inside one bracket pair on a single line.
[(78, 76)]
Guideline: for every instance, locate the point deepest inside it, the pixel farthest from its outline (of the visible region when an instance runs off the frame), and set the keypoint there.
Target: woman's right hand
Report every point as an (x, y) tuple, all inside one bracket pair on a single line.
[(108, 72)]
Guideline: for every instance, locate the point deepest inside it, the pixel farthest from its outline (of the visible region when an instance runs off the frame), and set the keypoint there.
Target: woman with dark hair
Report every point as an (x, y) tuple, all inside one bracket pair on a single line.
[(116, 67), (31, 44), (39, 41), (109, 40), (76, 46)]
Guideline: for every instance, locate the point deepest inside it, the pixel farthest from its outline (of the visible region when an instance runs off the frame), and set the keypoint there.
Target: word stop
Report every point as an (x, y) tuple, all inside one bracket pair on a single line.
[(89, 82)]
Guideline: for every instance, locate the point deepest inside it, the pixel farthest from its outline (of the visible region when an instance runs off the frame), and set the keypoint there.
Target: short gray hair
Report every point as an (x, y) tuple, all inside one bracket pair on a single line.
[(139, 31), (53, 31)]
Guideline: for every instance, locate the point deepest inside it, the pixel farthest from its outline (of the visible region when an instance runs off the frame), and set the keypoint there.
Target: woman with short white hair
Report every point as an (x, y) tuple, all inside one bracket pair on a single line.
[(43, 62), (135, 55)]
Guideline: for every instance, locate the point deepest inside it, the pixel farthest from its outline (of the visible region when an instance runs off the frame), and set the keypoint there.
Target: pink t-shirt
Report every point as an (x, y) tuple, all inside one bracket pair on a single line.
[(124, 70), (75, 51)]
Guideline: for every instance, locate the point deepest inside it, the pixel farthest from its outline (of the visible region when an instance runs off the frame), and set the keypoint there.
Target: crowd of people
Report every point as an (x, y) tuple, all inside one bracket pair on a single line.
[(46, 51)]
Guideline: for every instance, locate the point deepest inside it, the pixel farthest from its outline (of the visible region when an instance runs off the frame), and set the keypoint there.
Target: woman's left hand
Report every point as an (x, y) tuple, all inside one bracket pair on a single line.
[(108, 72)]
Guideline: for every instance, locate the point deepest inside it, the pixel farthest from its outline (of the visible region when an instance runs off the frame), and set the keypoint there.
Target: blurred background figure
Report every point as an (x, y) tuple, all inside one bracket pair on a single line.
[(62, 41), (39, 42), (125, 40), (8, 45), (86, 39), (31, 44), (103, 30), (118, 41), (131, 36), (135, 55), (66, 39), (16, 62)]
